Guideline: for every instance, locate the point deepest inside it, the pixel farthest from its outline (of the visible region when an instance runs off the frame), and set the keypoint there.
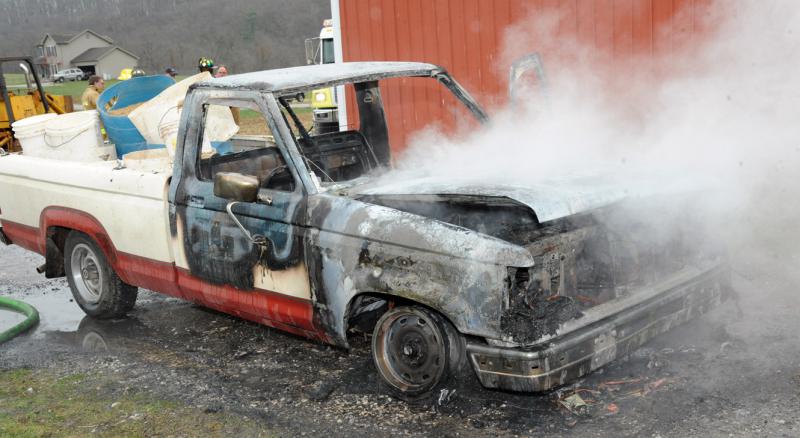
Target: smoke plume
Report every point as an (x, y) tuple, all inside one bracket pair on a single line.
[(718, 117), (722, 110)]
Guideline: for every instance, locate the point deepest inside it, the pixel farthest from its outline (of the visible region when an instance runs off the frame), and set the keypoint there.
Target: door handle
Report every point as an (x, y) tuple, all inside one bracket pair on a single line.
[(256, 239)]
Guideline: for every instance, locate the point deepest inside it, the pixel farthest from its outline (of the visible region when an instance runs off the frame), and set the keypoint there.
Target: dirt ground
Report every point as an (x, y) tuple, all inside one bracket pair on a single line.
[(734, 372)]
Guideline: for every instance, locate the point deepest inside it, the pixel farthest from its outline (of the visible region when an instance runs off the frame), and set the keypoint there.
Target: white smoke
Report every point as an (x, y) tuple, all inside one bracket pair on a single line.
[(727, 109)]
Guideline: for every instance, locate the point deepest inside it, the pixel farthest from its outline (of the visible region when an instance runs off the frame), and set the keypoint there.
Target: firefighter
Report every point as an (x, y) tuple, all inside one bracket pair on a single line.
[(206, 64), (92, 92)]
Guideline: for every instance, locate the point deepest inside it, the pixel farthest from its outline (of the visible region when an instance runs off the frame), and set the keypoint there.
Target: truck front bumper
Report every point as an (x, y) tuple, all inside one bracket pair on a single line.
[(582, 349)]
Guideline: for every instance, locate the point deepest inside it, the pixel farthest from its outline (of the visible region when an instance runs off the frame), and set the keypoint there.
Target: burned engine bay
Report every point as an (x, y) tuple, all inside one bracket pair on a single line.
[(580, 261)]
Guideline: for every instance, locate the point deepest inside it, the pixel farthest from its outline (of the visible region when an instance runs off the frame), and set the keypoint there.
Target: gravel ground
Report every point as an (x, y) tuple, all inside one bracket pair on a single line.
[(734, 372)]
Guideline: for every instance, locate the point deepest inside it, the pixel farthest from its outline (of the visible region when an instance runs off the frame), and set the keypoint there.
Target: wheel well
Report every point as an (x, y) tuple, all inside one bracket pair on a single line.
[(364, 310), (55, 240)]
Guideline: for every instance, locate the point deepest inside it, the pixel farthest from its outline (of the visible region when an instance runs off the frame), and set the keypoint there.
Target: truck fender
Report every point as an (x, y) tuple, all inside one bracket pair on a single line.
[(68, 219)]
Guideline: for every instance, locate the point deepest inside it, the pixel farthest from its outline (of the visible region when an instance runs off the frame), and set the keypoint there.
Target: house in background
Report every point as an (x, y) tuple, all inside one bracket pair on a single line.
[(88, 50)]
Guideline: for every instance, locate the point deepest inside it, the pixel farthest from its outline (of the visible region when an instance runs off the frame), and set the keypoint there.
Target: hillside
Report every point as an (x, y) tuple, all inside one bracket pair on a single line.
[(246, 35)]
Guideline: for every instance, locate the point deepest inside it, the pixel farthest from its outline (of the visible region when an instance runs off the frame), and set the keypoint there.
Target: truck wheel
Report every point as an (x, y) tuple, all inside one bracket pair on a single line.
[(416, 351), (94, 284)]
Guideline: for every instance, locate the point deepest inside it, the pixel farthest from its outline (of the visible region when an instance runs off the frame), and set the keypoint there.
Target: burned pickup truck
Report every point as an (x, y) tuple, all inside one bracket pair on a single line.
[(299, 230)]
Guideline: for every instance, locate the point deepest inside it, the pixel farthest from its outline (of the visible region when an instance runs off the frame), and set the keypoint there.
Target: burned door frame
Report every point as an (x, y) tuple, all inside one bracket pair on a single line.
[(214, 249)]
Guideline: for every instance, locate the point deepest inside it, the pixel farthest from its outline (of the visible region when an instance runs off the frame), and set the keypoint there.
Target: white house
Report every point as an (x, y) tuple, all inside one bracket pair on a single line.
[(87, 50)]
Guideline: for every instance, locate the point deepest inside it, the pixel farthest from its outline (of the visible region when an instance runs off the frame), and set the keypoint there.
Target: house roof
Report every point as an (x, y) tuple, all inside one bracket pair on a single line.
[(93, 54), (66, 38), (98, 53), (61, 38)]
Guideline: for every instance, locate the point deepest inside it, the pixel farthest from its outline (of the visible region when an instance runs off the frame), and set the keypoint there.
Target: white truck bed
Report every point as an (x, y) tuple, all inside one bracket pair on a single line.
[(129, 204)]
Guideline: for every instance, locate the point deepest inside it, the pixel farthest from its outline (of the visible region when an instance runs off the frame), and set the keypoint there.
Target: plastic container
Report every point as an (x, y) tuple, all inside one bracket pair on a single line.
[(74, 137), (168, 130), (120, 129), (158, 119), (163, 108), (30, 132)]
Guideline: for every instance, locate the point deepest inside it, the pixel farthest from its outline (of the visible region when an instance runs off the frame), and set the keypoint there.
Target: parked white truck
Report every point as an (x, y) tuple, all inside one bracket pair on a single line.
[(528, 286)]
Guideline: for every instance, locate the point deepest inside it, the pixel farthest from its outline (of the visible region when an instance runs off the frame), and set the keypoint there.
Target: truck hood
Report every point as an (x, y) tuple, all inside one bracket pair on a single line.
[(550, 199)]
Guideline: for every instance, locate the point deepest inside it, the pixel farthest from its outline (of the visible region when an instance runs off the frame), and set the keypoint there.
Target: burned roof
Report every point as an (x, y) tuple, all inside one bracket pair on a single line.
[(295, 78)]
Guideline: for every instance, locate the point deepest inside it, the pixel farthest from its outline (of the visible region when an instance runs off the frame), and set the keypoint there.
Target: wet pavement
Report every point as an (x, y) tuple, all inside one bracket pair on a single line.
[(734, 372), (9, 319)]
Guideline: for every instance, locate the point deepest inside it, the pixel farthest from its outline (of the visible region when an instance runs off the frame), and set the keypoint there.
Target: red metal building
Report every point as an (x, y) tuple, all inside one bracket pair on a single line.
[(472, 40)]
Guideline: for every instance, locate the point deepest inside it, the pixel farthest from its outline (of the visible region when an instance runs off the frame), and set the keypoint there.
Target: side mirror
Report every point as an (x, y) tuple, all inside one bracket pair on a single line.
[(527, 77), (236, 187), (312, 50)]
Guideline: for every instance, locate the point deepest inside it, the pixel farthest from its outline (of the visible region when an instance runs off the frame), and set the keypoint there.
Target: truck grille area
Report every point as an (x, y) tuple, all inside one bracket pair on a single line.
[(586, 261)]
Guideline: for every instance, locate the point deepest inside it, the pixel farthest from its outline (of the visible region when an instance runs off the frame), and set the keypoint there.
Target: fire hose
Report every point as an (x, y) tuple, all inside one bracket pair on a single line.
[(31, 318)]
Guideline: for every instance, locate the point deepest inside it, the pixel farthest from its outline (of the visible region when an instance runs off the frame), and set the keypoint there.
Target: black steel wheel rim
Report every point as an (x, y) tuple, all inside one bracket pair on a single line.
[(412, 357)]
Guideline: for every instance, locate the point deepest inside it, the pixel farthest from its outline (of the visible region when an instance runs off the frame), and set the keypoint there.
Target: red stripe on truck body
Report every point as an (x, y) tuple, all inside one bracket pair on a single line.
[(23, 235), (284, 312)]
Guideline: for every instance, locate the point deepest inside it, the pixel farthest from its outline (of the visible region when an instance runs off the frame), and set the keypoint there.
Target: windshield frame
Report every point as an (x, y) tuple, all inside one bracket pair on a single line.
[(287, 132)]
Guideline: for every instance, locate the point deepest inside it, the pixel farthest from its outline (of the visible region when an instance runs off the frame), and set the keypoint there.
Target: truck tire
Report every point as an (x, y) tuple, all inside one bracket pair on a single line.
[(417, 352), (95, 286)]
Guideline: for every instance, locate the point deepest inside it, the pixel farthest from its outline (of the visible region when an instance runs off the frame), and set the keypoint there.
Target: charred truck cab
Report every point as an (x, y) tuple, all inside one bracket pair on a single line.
[(531, 287)]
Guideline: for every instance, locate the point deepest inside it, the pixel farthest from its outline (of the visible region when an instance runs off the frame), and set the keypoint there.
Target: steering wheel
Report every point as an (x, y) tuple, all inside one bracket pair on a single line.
[(271, 174)]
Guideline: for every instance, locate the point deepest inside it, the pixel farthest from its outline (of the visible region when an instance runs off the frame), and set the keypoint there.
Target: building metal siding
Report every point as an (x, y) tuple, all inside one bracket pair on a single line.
[(467, 37)]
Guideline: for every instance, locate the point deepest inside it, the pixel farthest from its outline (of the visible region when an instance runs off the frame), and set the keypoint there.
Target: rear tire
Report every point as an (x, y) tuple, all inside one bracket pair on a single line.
[(97, 289), (416, 351)]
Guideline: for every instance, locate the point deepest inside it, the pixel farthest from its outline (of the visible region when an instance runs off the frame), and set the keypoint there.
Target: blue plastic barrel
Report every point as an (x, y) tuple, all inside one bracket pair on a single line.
[(120, 129)]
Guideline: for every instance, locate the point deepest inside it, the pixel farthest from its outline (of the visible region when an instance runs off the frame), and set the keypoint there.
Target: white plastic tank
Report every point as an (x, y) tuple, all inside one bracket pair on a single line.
[(30, 131), (168, 130), (158, 118), (74, 137)]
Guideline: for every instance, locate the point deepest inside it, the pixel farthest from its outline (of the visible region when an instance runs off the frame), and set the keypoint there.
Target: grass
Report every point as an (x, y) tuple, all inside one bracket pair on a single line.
[(37, 403), (67, 88), (253, 123), (14, 78), (74, 89)]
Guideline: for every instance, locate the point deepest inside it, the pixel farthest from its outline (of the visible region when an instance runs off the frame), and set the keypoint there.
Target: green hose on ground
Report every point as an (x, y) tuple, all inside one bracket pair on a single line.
[(19, 307)]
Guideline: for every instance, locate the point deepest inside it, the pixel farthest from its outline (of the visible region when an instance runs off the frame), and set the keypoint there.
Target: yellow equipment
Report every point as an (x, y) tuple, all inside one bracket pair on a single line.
[(320, 51), (25, 102), (125, 74), (323, 100)]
